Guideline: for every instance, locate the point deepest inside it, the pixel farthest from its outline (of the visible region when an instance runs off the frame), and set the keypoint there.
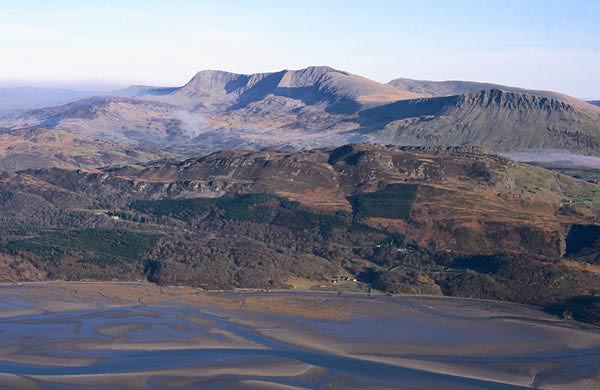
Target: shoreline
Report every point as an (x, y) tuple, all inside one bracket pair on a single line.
[(300, 292), (438, 340)]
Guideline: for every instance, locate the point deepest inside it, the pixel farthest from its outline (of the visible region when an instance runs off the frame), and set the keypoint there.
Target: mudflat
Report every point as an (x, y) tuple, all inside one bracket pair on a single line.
[(138, 335)]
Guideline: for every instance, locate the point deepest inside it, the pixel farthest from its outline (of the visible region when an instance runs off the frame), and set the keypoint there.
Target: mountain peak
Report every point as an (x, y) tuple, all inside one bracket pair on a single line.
[(316, 70), (311, 85), (206, 73), (322, 68), (216, 78), (211, 79)]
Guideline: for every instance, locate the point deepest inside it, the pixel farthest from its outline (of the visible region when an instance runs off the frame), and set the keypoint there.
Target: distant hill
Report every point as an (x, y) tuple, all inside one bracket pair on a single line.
[(595, 102), (444, 88), (27, 98), (142, 90)]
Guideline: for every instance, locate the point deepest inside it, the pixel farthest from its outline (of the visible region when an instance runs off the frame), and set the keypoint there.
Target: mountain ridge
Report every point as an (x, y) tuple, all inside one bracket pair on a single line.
[(487, 118), (312, 85), (459, 87), (322, 106)]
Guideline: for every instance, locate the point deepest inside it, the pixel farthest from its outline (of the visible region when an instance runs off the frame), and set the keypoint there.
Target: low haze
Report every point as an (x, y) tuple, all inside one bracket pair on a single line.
[(553, 45)]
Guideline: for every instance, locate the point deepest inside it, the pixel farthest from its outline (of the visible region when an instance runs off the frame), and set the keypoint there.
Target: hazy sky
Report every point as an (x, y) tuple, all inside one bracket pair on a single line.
[(541, 44)]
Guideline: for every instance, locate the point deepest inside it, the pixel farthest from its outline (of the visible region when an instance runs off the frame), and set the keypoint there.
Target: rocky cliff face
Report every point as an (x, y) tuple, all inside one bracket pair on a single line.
[(458, 87), (500, 120)]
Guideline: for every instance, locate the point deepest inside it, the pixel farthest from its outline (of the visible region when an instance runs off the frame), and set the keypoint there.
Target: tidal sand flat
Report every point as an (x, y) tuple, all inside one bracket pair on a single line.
[(139, 335)]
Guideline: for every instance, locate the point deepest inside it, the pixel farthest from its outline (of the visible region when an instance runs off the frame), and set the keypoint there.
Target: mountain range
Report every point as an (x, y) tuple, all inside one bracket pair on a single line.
[(26, 98), (314, 107)]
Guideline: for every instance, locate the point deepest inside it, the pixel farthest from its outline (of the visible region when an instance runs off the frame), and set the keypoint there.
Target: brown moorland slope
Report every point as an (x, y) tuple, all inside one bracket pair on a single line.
[(42, 148), (427, 220)]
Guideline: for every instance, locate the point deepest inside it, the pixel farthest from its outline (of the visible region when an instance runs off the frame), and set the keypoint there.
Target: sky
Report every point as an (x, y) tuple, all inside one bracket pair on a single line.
[(539, 44)]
